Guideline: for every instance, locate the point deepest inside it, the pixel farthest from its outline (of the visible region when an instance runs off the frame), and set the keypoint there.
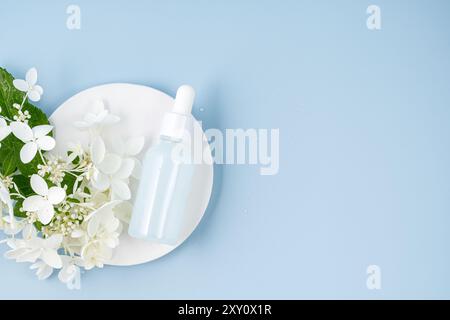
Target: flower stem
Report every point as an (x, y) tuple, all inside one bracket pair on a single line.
[(42, 157), (17, 192), (23, 101)]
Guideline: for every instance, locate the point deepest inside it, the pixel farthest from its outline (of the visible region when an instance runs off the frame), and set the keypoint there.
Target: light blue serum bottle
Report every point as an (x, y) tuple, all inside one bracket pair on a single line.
[(161, 199)]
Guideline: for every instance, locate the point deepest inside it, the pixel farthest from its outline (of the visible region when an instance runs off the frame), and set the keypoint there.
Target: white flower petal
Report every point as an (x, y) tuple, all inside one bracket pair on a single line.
[(77, 233), (28, 152), (101, 181), (93, 226), (53, 242), (98, 150), (137, 169), (29, 232), (98, 106), (110, 164), (31, 77), (43, 271), (46, 213), (123, 211), (4, 132), (42, 130), (99, 118), (126, 169), (51, 258), (4, 194), (56, 195), (39, 185), (33, 203), (110, 119), (33, 95), (105, 208), (67, 273), (46, 143), (15, 253), (21, 85), (118, 145), (90, 118), (22, 131), (134, 146), (81, 124), (39, 90), (110, 242), (112, 223), (29, 256), (121, 189)]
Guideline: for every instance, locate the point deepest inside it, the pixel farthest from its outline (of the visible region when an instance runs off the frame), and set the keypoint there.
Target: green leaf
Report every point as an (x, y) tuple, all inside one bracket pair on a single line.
[(38, 117), (11, 146), (38, 225), (10, 154), (17, 211), (9, 164), (23, 184), (8, 94), (69, 181), (28, 169)]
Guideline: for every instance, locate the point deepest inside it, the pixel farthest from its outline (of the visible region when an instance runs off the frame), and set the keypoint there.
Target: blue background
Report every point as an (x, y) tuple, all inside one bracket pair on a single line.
[(364, 126)]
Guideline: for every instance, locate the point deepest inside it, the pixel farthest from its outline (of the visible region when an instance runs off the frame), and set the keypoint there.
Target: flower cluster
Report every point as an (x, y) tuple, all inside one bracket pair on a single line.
[(62, 212)]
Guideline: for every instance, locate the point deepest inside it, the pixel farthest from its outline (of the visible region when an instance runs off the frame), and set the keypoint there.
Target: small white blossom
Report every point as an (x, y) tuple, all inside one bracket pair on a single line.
[(99, 235), (54, 168), (22, 116), (29, 85), (8, 224), (110, 171), (43, 270), (8, 182), (129, 149), (42, 203), (99, 117), (31, 248), (35, 139), (70, 273)]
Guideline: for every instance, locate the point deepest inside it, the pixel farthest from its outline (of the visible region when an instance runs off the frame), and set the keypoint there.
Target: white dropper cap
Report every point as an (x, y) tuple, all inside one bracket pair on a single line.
[(184, 100), (174, 122)]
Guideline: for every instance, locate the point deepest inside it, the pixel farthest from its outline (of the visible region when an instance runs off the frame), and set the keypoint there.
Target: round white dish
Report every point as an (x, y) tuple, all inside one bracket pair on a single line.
[(141, 110)]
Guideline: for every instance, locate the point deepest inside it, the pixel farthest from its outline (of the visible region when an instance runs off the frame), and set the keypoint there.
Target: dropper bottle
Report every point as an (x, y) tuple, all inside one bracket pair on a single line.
[(160, 205)]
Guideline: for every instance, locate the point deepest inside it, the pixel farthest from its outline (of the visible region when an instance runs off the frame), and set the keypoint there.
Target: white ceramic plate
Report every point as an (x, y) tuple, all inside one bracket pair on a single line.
[(141, 110)]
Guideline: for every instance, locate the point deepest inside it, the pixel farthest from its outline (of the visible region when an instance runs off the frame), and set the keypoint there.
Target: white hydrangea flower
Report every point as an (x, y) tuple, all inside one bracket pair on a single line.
[(129, 149), (42, 203), (11, 226), (110, 170), (29, 85), (70, 273), (5, 199), (8, 224), (99, 117), (5, 130), (96, 221), (102, 231), (43, 270), (123, 211), (35, 139), (31, 248)]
